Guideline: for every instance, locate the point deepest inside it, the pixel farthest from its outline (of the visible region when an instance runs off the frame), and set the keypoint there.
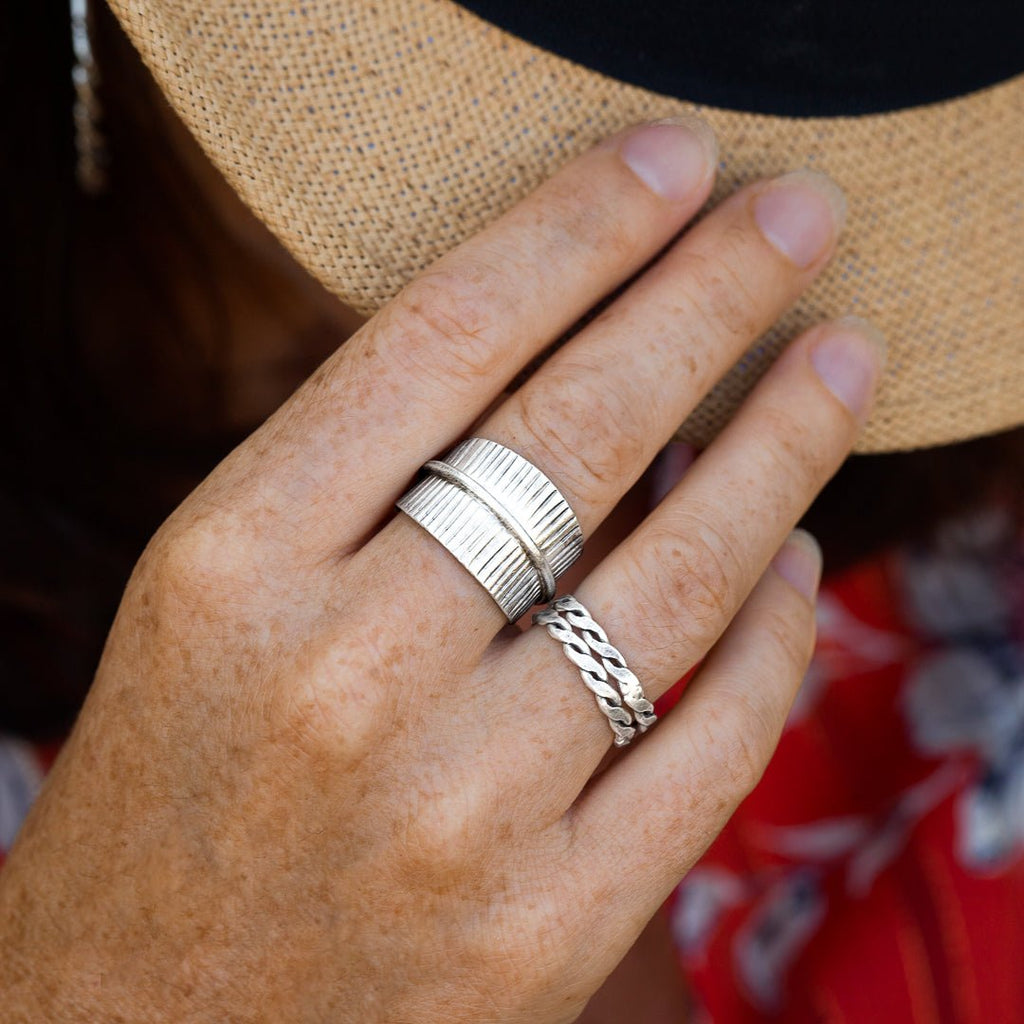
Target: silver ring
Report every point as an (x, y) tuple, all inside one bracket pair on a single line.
[(597, 640), (501, 517), (565, 616)]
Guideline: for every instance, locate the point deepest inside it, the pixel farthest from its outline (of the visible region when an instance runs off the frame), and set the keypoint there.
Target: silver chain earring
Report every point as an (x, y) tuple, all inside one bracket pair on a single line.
[(90, 144)]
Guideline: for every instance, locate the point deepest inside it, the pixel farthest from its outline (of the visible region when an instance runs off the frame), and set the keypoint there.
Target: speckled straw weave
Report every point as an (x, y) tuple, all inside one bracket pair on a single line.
[(373, 136)]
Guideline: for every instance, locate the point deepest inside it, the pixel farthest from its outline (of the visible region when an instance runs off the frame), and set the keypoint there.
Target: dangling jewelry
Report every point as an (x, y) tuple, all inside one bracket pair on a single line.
[(90, 145)]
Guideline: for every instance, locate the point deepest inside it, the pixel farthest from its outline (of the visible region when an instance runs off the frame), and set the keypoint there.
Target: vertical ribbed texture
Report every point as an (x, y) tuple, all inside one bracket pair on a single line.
[(478, 538), (527, 494)]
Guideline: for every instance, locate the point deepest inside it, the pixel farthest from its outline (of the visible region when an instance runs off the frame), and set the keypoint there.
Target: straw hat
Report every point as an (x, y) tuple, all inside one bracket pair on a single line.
[(373, 135)]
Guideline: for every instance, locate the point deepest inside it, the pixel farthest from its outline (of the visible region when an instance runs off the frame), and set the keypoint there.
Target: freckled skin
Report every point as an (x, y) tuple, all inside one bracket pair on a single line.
[(316, 779)]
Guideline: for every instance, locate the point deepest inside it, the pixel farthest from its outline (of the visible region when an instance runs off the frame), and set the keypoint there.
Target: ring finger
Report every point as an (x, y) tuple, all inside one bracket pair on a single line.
[(668, 592)]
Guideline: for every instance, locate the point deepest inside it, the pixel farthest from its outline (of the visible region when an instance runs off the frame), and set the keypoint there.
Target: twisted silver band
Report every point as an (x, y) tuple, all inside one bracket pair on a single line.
[(561, 618), (592, 672), (501, 517), (597, 640)]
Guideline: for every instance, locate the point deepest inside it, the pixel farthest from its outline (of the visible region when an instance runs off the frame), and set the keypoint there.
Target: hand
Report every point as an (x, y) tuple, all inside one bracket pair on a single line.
[(315, 778)]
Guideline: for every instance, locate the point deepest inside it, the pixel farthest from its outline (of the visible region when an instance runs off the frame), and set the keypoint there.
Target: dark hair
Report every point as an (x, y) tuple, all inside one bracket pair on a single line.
[(114, 402)]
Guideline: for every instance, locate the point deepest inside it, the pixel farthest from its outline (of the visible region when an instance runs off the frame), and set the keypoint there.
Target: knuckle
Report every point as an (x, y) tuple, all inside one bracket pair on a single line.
[(739, 737), (687, 574), (586, 433), (204, 564), (447, 830), (448, 325), (577, 222), (332, 709), (547, 927), (791, 635), (800, 459), (529, 927), (722, 295)]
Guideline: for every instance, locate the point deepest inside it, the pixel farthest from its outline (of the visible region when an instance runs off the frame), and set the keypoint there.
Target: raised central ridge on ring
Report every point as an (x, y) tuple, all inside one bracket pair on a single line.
[(456, 476), (501, 517), (526, 493)]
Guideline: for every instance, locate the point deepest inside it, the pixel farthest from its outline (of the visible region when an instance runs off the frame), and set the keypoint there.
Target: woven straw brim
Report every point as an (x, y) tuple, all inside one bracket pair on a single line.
[(372, 137)]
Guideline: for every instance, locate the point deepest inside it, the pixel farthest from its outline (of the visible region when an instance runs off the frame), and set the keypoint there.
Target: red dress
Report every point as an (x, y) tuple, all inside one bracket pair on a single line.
[(877, 872)]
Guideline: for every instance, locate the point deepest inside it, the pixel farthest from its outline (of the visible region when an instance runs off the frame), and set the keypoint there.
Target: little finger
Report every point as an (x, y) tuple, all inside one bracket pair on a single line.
[(654, 812)]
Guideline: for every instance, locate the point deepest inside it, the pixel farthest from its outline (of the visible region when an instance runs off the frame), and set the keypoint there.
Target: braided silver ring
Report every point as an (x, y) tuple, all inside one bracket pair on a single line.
[(581, 637), (501, 517)]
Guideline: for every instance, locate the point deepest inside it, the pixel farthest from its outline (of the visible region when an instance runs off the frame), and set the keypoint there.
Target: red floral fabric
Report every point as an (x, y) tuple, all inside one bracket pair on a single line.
[(876, 873)]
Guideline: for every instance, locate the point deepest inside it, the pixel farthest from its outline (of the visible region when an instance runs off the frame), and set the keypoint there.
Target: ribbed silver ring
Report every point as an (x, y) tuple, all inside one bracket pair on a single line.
[(501, 517), (508, 520)]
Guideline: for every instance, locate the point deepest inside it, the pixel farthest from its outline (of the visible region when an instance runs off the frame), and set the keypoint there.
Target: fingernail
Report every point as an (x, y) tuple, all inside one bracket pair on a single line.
[(800, 213), (799, 563), (849, 359), (673, 157)]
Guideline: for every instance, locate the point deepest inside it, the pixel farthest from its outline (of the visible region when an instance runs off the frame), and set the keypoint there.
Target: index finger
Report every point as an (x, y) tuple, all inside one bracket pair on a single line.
[(418, 374)]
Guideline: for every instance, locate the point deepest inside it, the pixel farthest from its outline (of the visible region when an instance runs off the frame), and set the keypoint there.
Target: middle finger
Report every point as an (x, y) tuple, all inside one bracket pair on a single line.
[(596, 413), (606, 403)]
